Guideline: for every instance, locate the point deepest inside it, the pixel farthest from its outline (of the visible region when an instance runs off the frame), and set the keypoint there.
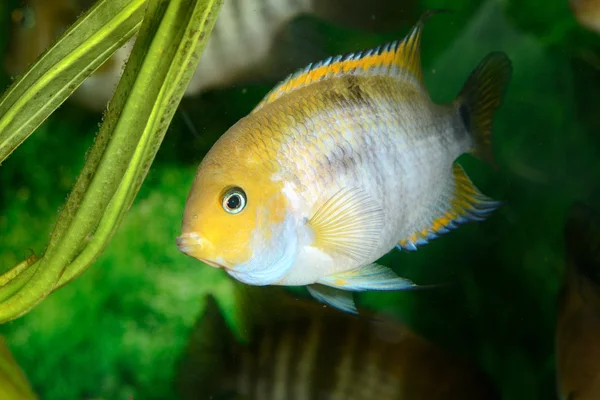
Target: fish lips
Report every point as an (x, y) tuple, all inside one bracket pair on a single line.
[(190, 244)]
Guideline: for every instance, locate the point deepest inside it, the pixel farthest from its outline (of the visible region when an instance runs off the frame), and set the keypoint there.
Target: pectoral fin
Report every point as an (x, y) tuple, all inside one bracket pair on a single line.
[(350, 223), (335, 298), (370, 277)]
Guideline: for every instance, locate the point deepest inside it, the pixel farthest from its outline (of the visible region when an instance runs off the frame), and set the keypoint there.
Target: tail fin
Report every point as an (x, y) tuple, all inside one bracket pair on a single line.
[(480, 97)]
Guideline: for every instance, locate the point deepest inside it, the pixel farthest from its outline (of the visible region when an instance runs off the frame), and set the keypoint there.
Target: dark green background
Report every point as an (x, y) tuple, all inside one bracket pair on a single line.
[(119, 329)]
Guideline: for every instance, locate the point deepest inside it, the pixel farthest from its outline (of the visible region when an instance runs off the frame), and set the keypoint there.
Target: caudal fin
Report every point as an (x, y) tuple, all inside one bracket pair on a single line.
[(480, 97)]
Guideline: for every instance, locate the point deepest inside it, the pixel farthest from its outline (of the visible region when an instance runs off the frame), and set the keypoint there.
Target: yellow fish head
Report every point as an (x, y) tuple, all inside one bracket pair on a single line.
[(235, 214)]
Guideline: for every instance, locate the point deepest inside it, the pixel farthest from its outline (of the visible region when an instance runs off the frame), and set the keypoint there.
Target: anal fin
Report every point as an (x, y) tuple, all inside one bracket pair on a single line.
[(336, 290), (462, 203), (370, 277), (335, 298)]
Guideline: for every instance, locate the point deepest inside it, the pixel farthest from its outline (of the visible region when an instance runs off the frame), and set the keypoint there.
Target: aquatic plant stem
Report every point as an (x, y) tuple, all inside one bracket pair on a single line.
[(60, 70), (150, 140), (163, 60)]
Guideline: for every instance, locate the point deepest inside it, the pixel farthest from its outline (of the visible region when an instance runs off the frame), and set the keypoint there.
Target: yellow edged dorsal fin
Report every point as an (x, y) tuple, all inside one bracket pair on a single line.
[(461, 203), (399, 58), (349, 223)]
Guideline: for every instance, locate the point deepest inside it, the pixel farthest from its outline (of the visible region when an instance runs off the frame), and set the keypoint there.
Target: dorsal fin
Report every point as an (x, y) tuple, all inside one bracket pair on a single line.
[(399, 58)]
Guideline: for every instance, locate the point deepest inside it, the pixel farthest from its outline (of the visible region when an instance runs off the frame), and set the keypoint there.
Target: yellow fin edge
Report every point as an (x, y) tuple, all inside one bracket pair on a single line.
[(465, 204)]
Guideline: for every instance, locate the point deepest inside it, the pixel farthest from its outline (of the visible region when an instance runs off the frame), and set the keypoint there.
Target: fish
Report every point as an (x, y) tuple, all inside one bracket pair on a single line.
[(251, 40), (587, 13), (300, 350), (339, 164), (577, 336)]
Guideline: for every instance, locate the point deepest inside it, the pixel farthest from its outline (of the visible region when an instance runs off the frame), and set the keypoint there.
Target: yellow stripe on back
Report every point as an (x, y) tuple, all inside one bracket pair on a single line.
[(399, 58)]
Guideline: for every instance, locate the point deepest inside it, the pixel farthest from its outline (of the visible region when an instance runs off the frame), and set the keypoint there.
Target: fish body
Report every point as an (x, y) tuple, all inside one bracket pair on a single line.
[(578, 319), (339, 164), (243, 46), (311, 352), (315, 163)]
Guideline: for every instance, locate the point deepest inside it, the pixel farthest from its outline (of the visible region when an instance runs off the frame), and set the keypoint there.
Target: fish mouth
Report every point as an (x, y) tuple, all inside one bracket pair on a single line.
[(191, 244)]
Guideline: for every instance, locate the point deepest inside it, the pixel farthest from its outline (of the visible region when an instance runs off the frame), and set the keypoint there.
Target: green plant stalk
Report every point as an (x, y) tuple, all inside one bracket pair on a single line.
[(166, 52), (12, 280), (194, 36), (89, 172), (93, 161), (60, 70), (17, 269), (17, 283)]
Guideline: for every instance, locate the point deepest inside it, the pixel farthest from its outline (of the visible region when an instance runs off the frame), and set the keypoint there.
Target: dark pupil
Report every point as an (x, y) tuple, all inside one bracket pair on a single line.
[(234, 202)]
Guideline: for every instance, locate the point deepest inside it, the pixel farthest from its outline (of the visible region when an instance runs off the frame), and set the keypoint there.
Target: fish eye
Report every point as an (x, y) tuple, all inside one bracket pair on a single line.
[(234, 200)]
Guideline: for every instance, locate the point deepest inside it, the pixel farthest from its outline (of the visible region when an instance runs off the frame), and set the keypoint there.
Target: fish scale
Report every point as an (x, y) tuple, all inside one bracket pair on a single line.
[(377, 138), (337, 165)]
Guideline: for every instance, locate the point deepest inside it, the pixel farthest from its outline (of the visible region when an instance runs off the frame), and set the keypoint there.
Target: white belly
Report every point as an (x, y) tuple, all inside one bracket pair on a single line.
[(405, 179)]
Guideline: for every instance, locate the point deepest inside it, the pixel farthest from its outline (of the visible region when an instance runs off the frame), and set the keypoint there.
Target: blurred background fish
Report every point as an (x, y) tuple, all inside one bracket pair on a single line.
[(587, 13), (253, 40), (295, 349), (13, 382), (578, 325)]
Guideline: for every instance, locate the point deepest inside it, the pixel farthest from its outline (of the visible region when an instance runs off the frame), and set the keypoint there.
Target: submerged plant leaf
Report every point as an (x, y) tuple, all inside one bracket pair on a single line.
[(60, 70), (162, 62)]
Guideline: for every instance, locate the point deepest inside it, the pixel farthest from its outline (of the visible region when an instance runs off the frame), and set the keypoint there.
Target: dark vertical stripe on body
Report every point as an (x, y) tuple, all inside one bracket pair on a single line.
[(333, 347), (308, 346), (326, 358), (360, 351), (299, 343), (247, 377), (283, 363), (328, 352), (263, 364), (356, 92)]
